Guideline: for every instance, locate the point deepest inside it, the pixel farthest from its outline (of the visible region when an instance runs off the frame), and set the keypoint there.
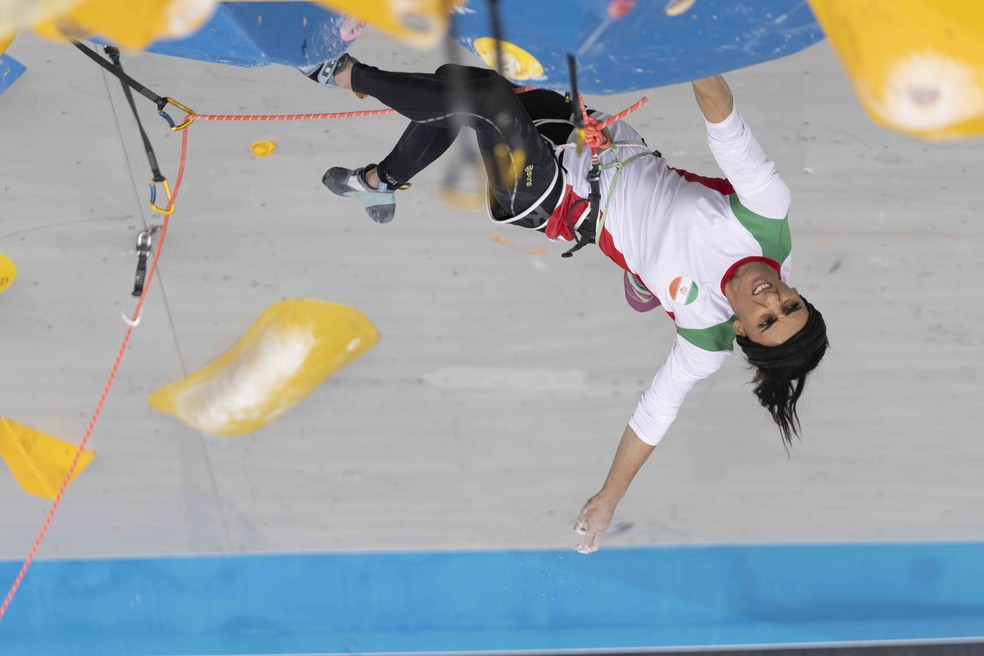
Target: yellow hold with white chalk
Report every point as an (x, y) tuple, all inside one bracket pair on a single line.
[(916, 65), (290, 350), (39, 462)]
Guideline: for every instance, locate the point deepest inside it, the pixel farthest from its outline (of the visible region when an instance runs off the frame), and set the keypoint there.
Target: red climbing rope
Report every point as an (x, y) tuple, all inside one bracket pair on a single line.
[(105, 392), (368, 113), (290, 117), (594, 130)]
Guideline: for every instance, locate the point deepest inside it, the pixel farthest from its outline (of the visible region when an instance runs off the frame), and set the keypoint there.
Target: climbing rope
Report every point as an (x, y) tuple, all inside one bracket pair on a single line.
[(105, 393), (192, 117), (595, 136)]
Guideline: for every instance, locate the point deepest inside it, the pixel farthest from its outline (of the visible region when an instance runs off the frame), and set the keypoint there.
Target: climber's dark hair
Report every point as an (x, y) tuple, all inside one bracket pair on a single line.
[(781, 370)]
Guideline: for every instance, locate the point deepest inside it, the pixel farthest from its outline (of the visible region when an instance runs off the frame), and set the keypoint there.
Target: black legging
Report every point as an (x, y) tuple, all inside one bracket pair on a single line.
[(441, 103)]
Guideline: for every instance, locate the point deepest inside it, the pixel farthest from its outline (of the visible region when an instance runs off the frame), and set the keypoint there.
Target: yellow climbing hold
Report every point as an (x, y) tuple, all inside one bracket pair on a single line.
[(21, 13), (290, 350), (517, 64), (422, 23), (678, 7), (8, 271), (132, 24), (916, 65), (262, 148), (38, 462), (5, 41)]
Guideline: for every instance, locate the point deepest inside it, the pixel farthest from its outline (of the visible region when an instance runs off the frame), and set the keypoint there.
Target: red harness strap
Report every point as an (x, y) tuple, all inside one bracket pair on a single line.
[(558, 227)]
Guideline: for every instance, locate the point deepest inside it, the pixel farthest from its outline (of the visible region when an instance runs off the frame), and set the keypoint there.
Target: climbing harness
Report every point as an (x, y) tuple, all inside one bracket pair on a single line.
[(592, 133)]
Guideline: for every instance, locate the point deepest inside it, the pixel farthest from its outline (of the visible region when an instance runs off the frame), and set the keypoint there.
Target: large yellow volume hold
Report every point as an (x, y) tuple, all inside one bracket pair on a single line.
[(916, 65), (39, 462), (15, 14), (131, 24), (290, 350)]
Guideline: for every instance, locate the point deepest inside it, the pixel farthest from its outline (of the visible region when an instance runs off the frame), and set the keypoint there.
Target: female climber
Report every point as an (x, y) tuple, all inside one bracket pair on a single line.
[(713, 252)]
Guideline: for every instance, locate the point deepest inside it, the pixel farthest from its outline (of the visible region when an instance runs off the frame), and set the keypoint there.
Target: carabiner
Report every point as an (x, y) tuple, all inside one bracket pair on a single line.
[(166, 211), (188, 119)]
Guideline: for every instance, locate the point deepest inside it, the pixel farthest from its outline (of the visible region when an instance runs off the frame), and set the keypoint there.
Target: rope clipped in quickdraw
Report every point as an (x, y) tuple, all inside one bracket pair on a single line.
[(584, 235), (591, 133), (158, 177), (144, 240), (160, 101)]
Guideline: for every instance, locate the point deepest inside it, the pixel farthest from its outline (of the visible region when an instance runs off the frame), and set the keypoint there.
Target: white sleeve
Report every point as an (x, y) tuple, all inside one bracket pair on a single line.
[(658, 407), (744, 163)]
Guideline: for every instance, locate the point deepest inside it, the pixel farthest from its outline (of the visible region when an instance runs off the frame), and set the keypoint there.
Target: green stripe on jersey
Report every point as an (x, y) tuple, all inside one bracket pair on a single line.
[(771, 234), (716, 338)]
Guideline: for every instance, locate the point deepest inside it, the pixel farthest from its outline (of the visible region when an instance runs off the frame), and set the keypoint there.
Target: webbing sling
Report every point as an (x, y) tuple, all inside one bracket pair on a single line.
[(160, 101), (114, 54), (618, 165)]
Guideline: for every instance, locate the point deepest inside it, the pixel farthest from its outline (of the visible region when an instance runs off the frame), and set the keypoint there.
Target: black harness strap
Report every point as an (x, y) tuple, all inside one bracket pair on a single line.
[(586, 233)]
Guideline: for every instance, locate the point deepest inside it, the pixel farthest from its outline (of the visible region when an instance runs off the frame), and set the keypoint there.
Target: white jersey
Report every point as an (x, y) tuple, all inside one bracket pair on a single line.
[(683, 236)]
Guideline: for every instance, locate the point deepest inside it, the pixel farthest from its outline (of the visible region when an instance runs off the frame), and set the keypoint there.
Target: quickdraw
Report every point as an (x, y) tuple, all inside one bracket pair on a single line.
[(127, 82)]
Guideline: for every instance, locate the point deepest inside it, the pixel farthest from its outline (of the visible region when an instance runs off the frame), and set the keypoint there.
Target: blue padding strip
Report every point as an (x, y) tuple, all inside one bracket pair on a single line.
[(458, 602)]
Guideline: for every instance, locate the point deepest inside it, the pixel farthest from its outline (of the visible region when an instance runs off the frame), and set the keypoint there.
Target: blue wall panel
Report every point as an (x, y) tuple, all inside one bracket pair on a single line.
[(10, 70), (260, 33), (647, 48), (644, 49)]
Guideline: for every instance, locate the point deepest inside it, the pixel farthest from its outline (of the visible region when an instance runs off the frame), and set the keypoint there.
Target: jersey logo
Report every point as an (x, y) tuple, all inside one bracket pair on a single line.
[(683, 290)]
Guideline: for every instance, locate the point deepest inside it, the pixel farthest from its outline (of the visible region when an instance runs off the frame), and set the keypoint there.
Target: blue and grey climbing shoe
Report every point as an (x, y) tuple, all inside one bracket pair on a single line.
[(324, 72), (380, 203)]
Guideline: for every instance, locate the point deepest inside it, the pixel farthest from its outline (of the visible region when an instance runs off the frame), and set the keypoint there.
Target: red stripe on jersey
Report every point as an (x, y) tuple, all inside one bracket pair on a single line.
[(607, 247), (730, 273), (720, 185)]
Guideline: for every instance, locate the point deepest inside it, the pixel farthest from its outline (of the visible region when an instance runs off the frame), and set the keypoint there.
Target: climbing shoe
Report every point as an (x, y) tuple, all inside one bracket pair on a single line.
[(380, 203), (324, 72)]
